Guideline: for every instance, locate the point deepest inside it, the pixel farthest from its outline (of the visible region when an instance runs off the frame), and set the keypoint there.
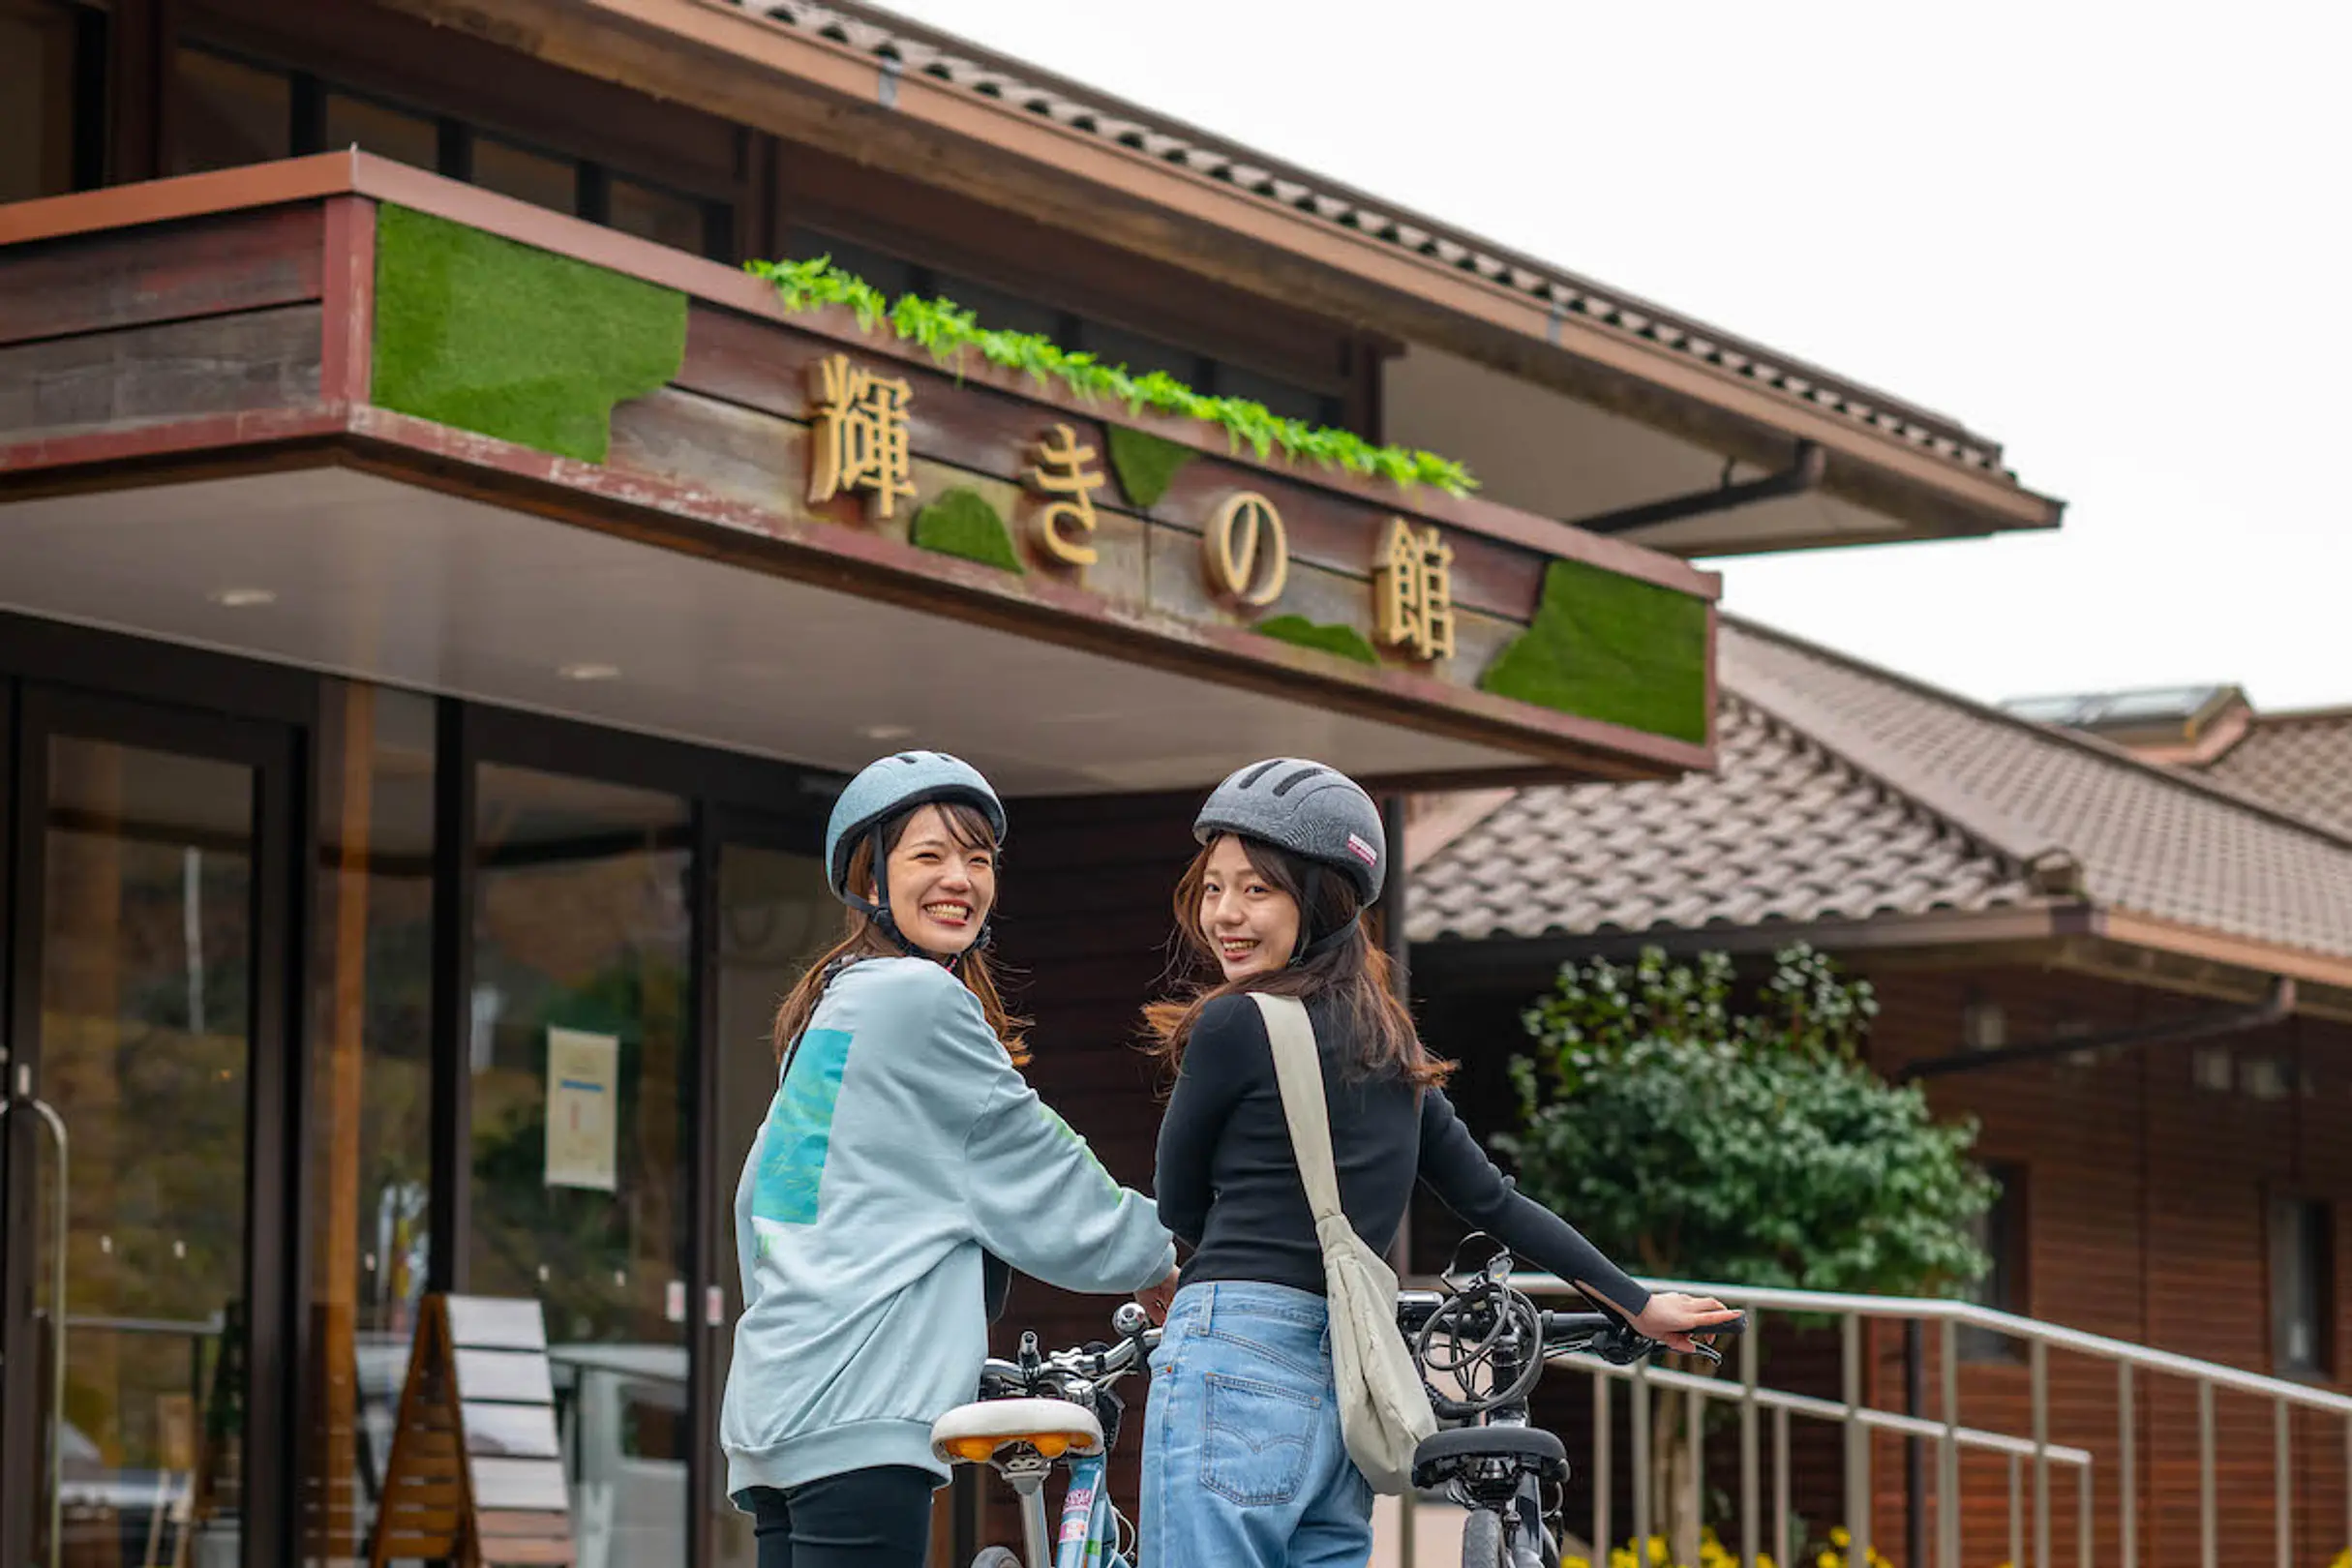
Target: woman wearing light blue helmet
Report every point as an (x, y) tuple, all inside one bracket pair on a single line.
[(903, 1151)]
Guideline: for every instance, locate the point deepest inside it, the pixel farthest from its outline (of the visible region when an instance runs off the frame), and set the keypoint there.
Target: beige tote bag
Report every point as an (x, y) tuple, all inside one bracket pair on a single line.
[(1384, 1410)]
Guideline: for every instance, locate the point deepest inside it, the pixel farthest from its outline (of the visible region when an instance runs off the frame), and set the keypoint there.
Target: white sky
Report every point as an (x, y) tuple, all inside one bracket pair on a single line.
[(2114, 237)]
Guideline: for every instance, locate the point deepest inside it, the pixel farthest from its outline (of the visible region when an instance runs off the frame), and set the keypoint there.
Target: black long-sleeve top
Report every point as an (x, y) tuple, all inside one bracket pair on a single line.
[(1229, 1186)]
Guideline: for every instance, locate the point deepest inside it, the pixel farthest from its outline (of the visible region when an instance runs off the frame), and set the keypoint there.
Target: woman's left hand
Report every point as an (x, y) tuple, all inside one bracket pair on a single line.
[(1672, 1318)]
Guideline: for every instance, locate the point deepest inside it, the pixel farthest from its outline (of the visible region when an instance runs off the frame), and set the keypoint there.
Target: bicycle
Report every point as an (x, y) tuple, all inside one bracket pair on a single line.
[(1041, 1412), (1491, 1341)]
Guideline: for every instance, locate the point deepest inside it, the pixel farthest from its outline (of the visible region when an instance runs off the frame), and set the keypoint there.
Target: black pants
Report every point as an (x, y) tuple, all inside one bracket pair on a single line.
[(860, 1519)]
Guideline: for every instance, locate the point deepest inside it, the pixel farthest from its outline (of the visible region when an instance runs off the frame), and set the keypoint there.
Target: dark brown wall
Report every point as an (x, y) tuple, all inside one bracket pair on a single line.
[(1085, 931), (2145, 1220)]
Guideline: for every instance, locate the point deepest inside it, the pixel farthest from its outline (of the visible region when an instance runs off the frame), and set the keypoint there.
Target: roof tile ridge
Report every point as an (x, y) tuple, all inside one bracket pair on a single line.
[(1450, 822), (1871, 404), (2013, 842), (2288, 717), (2104, 751), (1795, 735)]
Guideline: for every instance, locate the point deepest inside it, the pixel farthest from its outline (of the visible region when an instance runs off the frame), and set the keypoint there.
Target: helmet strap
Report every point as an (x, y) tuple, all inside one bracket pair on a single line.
[(1310, 945)]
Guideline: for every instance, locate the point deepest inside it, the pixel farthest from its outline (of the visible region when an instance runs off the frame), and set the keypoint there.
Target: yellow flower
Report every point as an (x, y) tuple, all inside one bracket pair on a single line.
[(1841, 1538)]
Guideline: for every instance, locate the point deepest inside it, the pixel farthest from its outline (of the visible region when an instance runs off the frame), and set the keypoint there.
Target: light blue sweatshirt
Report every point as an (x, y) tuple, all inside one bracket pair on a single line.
[(900, 1143)]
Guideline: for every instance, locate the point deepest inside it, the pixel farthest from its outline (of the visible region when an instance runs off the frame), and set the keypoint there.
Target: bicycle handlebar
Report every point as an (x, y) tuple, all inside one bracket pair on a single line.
[(1605, 1334), (1076, 1373)]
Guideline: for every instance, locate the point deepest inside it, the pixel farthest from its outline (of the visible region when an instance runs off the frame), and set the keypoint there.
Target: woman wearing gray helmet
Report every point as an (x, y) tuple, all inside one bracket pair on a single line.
[(903, 1151), (1244, 1464)]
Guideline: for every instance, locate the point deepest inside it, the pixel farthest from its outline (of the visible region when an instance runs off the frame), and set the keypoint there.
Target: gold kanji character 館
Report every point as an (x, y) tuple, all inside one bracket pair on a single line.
[(1064, 469), (857, 434), (1413, 586)]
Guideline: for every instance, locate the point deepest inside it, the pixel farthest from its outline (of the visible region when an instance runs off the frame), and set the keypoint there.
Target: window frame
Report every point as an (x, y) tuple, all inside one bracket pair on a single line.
[(2006, 1235), (2278, 1202)]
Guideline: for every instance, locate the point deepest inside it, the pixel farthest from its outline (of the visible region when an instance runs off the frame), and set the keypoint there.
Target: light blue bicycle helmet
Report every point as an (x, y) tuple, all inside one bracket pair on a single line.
[(886, 788)]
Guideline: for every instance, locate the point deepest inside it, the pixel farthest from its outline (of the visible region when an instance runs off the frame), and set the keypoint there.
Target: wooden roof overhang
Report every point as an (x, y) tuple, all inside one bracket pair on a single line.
[(2072, 935), (223, 324), (1224, 214)]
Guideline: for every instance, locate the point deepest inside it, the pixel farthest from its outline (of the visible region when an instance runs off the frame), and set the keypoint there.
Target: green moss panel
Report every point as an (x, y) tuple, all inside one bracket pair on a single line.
[(962, 523), (1146, 464), (509, 341), (1610, 647), (1343, 640)]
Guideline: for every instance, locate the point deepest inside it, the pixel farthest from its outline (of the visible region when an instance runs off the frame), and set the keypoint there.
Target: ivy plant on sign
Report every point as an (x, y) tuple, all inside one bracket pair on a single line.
[(949, 333)]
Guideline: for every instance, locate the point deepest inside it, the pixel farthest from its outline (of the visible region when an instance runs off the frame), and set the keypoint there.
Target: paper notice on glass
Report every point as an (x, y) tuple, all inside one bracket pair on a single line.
[(582, 1116)]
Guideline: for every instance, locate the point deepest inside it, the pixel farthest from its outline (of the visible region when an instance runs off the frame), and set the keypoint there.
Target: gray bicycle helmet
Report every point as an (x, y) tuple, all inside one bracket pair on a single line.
[(1316, 813), (885, 789)]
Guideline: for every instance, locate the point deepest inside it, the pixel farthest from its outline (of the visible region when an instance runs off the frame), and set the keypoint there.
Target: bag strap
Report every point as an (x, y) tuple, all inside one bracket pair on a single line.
[(1298, 1071)]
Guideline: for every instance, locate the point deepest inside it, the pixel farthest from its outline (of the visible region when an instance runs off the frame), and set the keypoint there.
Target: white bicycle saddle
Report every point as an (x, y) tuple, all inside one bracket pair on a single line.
[(974, 1432)]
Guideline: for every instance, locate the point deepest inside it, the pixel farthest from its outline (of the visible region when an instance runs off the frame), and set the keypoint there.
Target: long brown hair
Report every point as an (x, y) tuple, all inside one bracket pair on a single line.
[(863, 936), (1352, 973)]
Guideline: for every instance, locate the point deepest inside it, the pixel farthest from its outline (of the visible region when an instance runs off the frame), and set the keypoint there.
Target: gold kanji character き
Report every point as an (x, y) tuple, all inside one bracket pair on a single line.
[(1413, 589), (1065, 469), (857, 434)]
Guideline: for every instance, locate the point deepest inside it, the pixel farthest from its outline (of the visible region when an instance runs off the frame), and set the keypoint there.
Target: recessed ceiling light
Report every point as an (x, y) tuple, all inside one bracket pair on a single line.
[(887, 732), (239, 598), (590, 672)]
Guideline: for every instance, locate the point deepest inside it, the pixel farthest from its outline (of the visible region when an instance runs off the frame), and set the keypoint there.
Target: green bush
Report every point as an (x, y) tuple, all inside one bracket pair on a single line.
[(1696, 1139)]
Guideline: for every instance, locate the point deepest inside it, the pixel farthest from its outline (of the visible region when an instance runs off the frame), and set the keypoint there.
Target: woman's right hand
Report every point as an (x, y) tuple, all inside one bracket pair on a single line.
[(1156, 1299), (1672, 1318)]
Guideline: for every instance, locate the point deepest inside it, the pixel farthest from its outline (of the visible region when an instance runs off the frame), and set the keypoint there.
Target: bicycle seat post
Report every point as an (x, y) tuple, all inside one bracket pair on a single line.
[(1025, 1470)]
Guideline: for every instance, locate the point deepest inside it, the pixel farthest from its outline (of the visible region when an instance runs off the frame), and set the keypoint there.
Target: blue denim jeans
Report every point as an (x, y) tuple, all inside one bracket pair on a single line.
[(1243, 1464)]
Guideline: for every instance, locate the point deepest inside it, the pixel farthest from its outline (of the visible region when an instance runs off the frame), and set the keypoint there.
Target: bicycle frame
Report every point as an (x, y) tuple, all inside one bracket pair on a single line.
[(1089, 1536), (1525, 1528)]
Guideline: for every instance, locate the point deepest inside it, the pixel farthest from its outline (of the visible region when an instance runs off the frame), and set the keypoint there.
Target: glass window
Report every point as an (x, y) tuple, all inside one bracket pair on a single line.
[(1115, 346), (36, 98), (774, 916), (371, 1110), (525, 175), (2301, 1299), (652, 213), (1279, 397), (582, 1088), (2001, 1232), (388, 133), (887, 273), (1000, 311), (229, 113)]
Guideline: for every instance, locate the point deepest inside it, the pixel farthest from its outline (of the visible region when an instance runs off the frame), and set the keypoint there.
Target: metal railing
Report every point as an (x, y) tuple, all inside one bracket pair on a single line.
[(2032, 1453)]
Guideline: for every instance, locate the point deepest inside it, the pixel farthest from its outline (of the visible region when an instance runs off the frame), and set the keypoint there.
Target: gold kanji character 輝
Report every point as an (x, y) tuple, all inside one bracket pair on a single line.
[(857, 434)]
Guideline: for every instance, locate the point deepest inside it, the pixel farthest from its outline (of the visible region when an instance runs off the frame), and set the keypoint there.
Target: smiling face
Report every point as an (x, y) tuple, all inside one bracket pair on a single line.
[(1251, 926), (943, 884)]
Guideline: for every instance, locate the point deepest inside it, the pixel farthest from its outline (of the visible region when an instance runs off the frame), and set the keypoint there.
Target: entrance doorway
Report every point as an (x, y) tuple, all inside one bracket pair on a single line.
[(141, 1332)]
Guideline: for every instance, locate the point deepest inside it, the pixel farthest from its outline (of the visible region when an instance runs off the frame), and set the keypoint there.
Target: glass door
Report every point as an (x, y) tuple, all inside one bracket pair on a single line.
[(772, 916), (580, 1095), (146, 980)]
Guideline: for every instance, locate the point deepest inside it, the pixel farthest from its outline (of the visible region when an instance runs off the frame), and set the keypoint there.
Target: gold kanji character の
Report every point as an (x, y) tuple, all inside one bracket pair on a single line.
[(857, 434), (1413, 589), (1065, 469)]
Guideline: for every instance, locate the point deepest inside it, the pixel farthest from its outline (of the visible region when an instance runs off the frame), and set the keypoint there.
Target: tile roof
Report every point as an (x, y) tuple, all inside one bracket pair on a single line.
[(1846, 792), (2297, 762), (902, 46)]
